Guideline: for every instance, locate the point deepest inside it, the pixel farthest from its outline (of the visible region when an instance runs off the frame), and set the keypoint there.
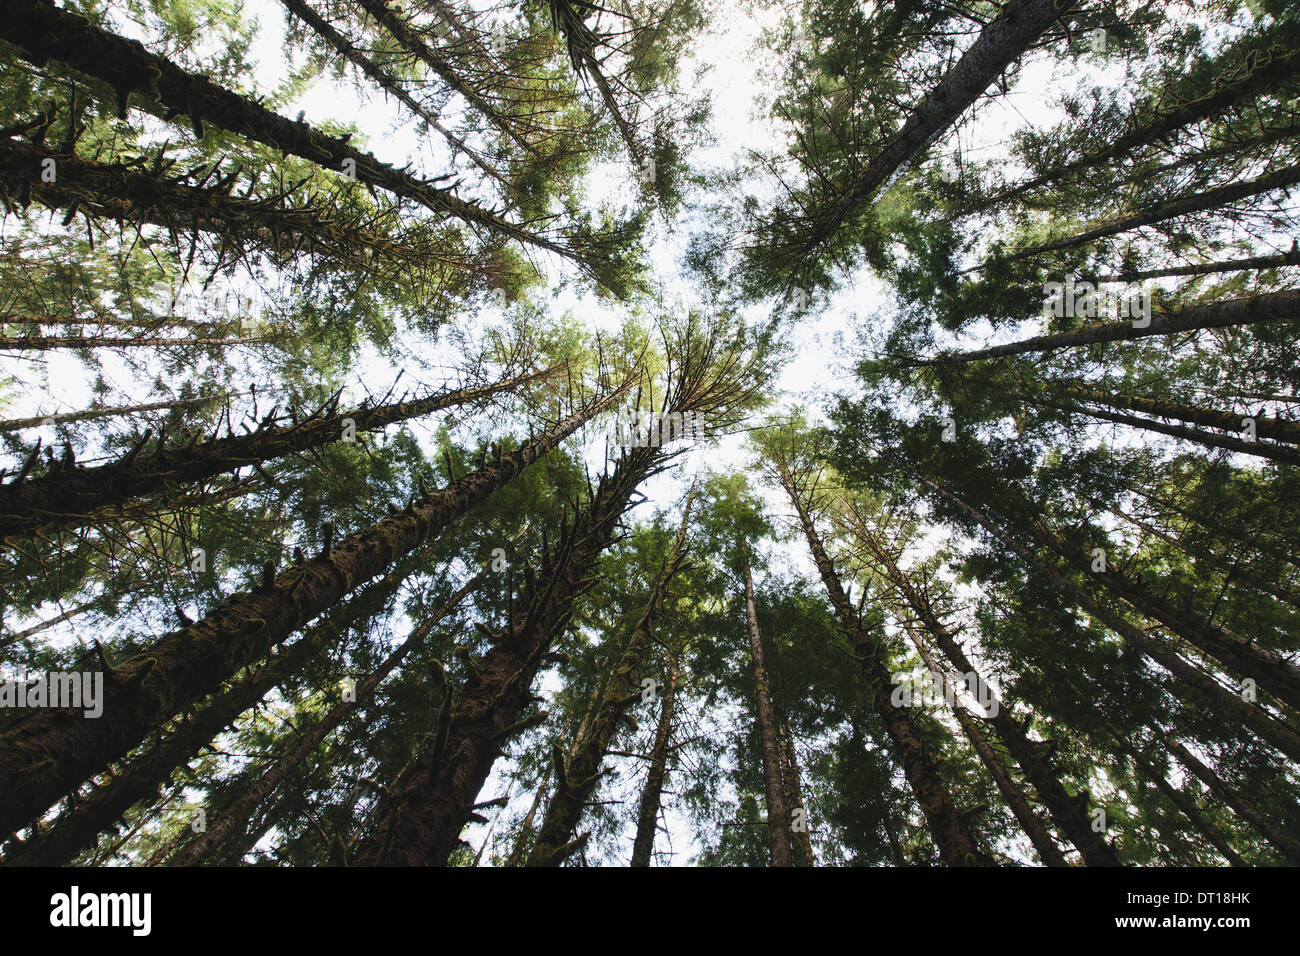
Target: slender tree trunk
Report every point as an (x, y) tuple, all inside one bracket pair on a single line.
[(1002, 41), (1266, 426), (389, 84), (64, 418), (1181, 800), (1231, 571), (647, 817), (793, 782), (778, 814), (45, 343), (578, 776), (1241, 446), (409, 40), (43, 32), (235, 818), (129, 194), (1182, 206), (1262, 71), (420, 824), (66, 494), (1291, 258), (951, 832), (1267, 307), (1279, 839), (1270, 670), (44, 754)]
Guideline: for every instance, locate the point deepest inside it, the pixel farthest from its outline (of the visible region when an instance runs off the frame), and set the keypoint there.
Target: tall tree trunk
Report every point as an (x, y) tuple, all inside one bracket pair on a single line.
[(1241, 446), (66, 494), (420, 824), (144, 775), (64, 418), (1182, 206), (389, 84), (43, 32), (1002, 41), (1266, 426), (1291, 258), (1262, 70), (45, 753), (793, 782), (778, 814), (45, 343), (127, 193), (647, 815), (1266, 307), (1048, 852), (1273, 672), (1181, 800), (235, 818), (1279, 839), (578, 776), (410, 41), (951, 833)]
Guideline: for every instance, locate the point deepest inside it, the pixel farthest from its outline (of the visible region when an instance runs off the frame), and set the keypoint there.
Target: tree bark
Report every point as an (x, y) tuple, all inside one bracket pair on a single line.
[(647, 816), (1002, 41), (66, 494), (43, 32), (778, 814), (1266, 307), (578, 776), (1279, 839)]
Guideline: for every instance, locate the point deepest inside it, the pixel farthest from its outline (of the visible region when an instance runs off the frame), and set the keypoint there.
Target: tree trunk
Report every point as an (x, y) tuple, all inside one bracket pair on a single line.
[(1291, 258), (127, 194), (647, 817), (1279, 839), (66, 494), (1267, 307), (1266, 426), (1257, 76), (1002, 41), (1048, 852), (1068, 813), (340, 44), (45, 753), (43, 32), (778, 814), (1270, 670), (1223, 701), (64, 418), (1241, 446), (408, 39), (1182, 206)]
